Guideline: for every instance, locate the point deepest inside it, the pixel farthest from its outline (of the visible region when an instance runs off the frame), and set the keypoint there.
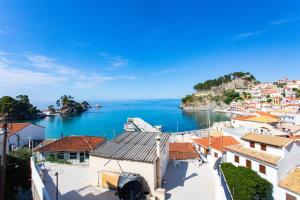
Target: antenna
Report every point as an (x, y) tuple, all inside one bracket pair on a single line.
[(208, 120), (177, 125)]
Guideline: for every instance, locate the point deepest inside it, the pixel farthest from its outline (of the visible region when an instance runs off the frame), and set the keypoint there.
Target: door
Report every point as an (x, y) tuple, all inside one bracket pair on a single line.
[(81, 157)]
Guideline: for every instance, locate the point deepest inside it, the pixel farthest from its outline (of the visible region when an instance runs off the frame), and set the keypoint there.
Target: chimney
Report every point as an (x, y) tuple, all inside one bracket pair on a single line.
[(158, 170), (158, 146)]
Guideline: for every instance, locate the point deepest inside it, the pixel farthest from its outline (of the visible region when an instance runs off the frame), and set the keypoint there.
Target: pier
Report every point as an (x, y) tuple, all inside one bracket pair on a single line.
[(137, 124)]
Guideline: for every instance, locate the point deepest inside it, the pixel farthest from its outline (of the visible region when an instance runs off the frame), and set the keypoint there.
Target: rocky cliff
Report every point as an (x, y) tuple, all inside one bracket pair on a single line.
[(216, 94)]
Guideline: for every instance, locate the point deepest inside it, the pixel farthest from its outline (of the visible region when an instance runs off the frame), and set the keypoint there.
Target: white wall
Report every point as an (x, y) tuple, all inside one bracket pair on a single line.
[(146, 170), (269, 149), (39, 192), (291, 159), (33, 131), (282, 194)]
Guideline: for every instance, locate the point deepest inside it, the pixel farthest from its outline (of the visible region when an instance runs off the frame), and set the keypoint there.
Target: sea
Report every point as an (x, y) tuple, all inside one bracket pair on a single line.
[(108, 121)]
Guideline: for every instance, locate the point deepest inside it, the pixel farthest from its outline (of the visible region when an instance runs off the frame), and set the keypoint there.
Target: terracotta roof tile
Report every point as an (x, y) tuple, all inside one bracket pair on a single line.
[(182, 151), (266, 114), (258, 155), (73, 143), (292, 181), (267, 139), (217, 143)]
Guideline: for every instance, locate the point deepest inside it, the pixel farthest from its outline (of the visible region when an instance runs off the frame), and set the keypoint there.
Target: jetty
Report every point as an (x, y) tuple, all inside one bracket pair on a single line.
[(138, 124)]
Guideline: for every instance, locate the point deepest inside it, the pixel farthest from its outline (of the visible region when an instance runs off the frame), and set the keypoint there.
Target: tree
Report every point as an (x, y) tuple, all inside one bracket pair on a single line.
[(17, 108), (18, 172), (207, 85), (68, 106), (51, 109), (244, 183), (231, 95)]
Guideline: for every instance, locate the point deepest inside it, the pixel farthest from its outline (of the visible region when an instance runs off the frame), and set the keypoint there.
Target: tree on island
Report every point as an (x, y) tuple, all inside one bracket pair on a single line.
[(51, 109), (68, 106), (18, 108)]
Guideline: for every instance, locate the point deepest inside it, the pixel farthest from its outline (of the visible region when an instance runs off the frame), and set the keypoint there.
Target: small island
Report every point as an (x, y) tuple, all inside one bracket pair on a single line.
[(18, 108), (67, 106)]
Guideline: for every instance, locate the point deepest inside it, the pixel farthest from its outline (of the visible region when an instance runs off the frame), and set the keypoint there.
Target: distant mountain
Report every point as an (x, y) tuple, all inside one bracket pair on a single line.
[(218, 93)]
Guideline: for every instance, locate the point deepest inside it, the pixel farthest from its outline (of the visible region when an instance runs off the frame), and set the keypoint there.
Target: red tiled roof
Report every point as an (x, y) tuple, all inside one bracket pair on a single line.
[(15, 127), (242, 118), (217, 143), (73, 144), (182, 151), (266, 114)]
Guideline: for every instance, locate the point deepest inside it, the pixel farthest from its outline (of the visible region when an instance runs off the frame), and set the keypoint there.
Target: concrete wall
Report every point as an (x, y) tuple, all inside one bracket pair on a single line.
[(39, 191), (291, 159), (33, 131), (146, 170)]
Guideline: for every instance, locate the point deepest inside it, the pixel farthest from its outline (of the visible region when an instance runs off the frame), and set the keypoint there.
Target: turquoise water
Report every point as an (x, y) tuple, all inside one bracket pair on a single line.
[(109, 120)]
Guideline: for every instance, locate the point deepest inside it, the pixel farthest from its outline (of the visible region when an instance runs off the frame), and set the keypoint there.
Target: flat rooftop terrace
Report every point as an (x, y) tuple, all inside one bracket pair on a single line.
[(188, 181), (73, 183)]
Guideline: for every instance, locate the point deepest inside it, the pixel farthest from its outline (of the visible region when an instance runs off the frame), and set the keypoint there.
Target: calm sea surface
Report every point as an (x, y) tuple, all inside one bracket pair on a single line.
[(109, 120)]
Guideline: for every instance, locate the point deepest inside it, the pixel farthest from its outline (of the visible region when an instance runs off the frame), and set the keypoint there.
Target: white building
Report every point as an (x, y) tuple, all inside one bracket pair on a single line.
[(259, 122), (272, 157), (19, 135), (213, 147), (146, 154), (74, 149)]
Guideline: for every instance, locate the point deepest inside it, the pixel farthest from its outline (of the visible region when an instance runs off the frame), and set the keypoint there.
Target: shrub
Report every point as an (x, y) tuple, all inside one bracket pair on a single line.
[(56, 160), (245, 184)]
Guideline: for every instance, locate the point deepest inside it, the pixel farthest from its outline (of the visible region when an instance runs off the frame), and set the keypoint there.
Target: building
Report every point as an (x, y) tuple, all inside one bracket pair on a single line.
[(143, 153), (74, 149), (290, 185), (213, 147), (259, 122), (182, 151), (20, 134), (272, 157)]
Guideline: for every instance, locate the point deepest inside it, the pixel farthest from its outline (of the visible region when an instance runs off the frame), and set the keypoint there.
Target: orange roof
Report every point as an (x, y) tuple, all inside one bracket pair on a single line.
[(255, 154), (217, 143), (15, 127), (267, 139), (182, 151), (292, 181), (73, 144), (243, 117), (261, 113)]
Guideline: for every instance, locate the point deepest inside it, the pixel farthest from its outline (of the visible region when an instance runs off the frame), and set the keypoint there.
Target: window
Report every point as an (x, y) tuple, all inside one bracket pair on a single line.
[(263, 147), (73, 155), (60, 155), (262, 169), (87, 155), (290, 197), (248, 164), (252, 144), (216, 155), (236, 159)]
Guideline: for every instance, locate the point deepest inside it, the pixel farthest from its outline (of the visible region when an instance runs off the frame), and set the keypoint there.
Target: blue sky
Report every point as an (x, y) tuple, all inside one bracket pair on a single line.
[(98, 50)]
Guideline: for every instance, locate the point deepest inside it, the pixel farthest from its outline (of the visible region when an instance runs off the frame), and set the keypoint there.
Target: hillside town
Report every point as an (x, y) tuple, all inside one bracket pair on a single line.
[(144, 162)]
